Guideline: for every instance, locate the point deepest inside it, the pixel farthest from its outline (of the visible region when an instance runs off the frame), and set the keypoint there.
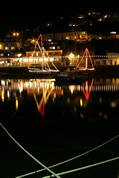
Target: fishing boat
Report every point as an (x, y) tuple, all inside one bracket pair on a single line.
[(45, 66), (84, 69), (41, 71), (85, 63)]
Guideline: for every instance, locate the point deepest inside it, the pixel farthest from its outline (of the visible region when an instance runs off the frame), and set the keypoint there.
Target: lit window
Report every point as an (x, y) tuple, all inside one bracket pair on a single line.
[(52, 47), (6, 47), (1, 46), (12, 47)]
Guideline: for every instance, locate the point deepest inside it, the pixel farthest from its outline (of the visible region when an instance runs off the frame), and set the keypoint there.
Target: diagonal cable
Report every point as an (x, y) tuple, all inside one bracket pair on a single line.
[(29, 154)]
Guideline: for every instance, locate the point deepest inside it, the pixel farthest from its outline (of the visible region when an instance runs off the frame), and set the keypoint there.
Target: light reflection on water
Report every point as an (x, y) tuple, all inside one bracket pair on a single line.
[(76, 95), (93, 100), (101, 92)]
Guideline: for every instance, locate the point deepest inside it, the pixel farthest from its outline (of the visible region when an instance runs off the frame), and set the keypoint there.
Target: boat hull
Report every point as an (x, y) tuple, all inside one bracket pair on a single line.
[(74, 76)]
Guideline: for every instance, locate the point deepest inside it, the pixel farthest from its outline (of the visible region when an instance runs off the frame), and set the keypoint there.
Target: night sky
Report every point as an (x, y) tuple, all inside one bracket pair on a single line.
[(30, 13)]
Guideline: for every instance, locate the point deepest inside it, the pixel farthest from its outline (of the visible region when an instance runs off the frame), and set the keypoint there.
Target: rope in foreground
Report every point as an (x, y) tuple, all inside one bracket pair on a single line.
[(29, 154)]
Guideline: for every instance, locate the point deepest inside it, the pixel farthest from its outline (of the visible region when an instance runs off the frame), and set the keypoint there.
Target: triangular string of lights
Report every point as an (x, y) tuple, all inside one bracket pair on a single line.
[(45, 56), (86, 62)]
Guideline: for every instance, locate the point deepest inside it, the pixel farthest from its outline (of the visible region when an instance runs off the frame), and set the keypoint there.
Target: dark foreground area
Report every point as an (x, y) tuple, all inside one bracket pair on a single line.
[(69, 123), (57, 142)]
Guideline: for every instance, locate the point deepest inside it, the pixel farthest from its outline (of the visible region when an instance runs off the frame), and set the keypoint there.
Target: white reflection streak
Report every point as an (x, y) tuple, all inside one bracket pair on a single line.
[(8, 94)]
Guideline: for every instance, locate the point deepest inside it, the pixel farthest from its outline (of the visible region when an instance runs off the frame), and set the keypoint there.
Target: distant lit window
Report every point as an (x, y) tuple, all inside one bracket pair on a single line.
[(12, 47), (105, 16), (100, 20), (81, 17), (1, 54), (48, 24), (1, 46), (100, 37), (15, 34), (33, 41), (49, 40), (67, 38), (83, 33), (6, 48), (52, 47), (19, 55), (113, 32)]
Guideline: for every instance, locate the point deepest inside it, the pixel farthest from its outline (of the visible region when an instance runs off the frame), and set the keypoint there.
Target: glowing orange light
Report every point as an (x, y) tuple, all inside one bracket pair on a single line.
[(17, 103)]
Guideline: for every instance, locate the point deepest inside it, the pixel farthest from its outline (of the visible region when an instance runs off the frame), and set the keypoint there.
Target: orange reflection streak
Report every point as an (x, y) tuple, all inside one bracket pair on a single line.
[(41, 107), (17, 103), (87, 89), (43, 101)]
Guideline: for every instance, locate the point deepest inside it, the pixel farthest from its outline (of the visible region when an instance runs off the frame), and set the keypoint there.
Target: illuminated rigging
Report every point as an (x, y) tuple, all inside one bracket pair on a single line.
[(86, 62)]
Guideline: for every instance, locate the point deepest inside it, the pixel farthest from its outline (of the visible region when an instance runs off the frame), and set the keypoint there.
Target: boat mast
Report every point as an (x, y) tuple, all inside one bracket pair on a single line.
[(86, 64)]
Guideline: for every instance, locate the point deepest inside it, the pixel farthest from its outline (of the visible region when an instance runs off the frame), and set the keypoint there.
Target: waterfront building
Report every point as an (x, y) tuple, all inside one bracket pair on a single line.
[(109, 59)]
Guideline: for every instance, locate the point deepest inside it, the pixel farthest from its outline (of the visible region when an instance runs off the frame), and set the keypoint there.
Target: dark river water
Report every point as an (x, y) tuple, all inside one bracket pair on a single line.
[(57, 122)]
